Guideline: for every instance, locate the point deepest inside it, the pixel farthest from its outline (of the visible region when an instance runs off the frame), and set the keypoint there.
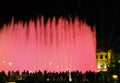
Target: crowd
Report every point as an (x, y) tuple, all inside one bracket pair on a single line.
[(73, 76)]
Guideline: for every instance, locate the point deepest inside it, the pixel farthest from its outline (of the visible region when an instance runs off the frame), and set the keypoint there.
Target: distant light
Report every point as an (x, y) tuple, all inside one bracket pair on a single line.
[(105, 66), (115, 77), (9, 63), (98, 67), (3, 62), (118, 61), (113, 65), (108, 65)]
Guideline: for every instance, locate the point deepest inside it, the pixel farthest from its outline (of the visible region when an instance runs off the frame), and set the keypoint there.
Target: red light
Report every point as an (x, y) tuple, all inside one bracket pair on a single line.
[(52, 47)]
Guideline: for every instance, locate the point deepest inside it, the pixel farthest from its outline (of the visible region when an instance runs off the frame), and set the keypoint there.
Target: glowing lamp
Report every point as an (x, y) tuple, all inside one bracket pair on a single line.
[(99, 67), (115, 77)]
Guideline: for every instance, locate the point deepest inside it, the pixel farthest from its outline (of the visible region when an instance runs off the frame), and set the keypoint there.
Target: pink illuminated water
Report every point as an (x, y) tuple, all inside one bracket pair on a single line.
[(37, 46)]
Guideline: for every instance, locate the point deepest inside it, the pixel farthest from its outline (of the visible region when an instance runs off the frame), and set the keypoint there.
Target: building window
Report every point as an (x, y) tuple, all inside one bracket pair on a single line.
[(101, 57), (106, 56)]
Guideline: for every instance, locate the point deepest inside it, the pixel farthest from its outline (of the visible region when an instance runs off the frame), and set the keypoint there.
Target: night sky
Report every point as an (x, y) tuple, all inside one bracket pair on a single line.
[(104, 15)]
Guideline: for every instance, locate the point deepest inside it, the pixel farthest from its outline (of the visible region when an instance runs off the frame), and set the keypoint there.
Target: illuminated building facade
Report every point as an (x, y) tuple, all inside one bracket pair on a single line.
[(103, 59)]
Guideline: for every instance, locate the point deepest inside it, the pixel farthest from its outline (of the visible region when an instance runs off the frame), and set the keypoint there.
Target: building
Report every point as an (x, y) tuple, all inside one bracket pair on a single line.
[(103, 59)]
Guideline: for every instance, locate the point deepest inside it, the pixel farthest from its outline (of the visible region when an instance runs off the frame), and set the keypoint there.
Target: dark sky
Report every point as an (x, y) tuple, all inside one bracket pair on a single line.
[(104, 14)]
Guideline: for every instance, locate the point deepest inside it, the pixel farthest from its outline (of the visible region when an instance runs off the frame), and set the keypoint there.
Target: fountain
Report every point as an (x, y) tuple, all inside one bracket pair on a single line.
[(60, 46)]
